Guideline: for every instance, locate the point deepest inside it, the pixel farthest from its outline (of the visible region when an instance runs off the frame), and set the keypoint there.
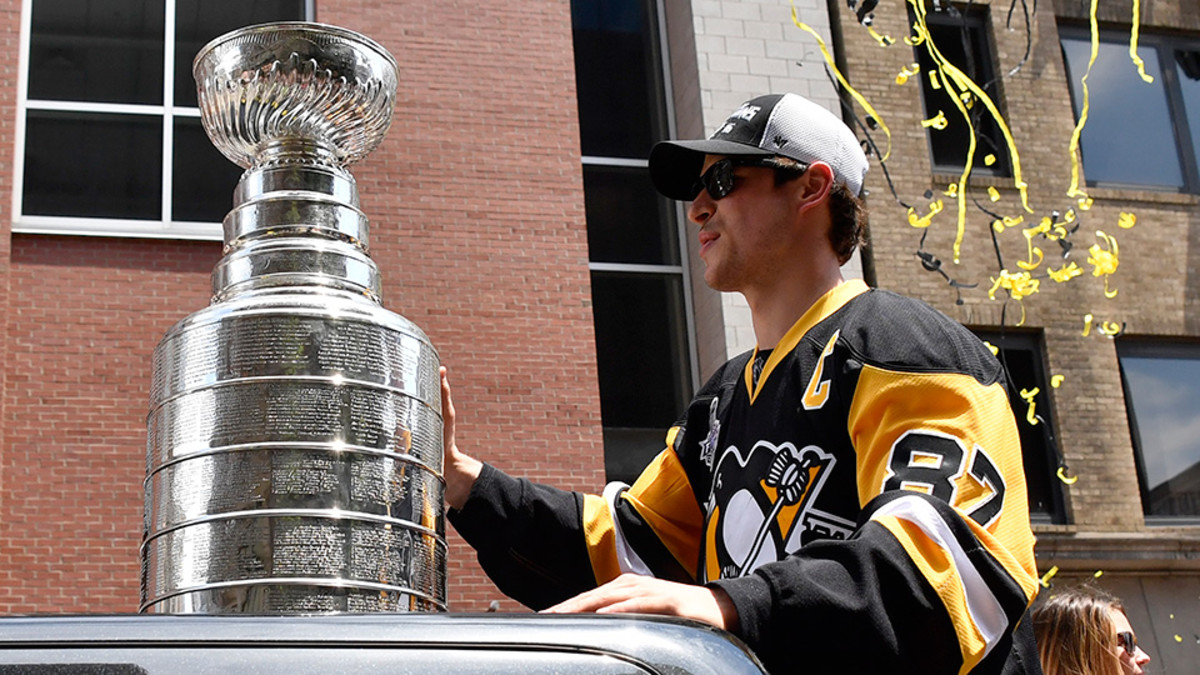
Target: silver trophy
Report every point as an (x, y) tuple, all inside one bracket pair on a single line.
[(294, 451)]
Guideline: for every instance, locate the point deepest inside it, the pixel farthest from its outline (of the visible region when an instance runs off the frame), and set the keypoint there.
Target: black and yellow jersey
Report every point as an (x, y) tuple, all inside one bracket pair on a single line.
[(860, 484)]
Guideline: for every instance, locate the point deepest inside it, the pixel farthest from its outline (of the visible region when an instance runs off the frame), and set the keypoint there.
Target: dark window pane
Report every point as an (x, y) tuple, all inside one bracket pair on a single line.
[(640, 350), (1162, 385), (962, 39), (627, 220), (1129, 138), (97, 50), (84, 164), (1187, 66), (1021, 354), (203, 180), (616, 72), (199, 21)]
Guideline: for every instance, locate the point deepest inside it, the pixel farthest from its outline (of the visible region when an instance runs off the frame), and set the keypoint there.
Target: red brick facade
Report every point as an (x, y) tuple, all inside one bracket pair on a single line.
[(477, 224)]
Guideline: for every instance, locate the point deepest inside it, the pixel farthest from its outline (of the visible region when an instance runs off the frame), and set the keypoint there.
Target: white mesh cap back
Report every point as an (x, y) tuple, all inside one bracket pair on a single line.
[(805, 131)]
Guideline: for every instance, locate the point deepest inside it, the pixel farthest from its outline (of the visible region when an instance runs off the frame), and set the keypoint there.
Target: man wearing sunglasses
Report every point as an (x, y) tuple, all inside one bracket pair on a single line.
[(847, 497)]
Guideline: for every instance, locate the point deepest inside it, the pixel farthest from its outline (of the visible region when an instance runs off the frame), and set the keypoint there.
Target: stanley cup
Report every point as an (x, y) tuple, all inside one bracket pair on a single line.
[(294, 450)]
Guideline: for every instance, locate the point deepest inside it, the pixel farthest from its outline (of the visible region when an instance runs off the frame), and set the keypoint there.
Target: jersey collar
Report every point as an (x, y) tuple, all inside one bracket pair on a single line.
[(824, 306)]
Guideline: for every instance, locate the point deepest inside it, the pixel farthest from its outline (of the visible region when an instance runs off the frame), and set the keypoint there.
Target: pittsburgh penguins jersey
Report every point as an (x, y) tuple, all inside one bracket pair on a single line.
[(860, 484)]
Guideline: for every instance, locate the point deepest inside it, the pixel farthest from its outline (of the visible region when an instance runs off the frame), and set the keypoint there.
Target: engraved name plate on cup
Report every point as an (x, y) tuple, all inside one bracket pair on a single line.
[(294, 445)]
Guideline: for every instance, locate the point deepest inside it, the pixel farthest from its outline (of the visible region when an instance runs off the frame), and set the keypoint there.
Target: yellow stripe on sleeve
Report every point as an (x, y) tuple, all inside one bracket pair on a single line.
[(663, 497), (600, 533), (978, 619)]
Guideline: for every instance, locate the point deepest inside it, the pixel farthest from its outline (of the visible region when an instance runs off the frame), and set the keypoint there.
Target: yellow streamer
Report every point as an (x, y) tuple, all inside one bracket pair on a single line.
[(908, 72), (1087, 324), (1133, 43), (1073, 148), (924, 221), (1062, 475), (1028, 395), (1126, 220), (938, 122), (1042, 228), (961, 224), (914, 40), (1019, 286), (1045, 580), (992, 348), (842, 79), (1056, 381), (989, 159), (1032, 264), (1104, 262), (1065, 273), (993, 193), (965, 84), (883, 40)]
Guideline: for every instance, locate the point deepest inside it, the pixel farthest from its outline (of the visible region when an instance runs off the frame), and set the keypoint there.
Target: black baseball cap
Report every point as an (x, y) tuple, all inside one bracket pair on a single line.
[(786, 125)]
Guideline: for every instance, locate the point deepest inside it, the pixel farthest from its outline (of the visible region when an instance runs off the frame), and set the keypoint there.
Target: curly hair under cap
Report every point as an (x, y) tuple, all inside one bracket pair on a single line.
[(848, 213)]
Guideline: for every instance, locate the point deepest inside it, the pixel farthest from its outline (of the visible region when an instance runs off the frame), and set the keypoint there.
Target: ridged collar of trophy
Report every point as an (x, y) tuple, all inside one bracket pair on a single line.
[(294, 104)]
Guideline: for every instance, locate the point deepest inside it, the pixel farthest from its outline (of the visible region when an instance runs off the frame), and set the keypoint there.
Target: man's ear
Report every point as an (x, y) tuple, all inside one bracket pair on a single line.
[(814, 186)]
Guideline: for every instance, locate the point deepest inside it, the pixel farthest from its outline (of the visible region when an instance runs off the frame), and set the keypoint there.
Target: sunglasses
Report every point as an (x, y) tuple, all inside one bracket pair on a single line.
[(1129, 641), (718, 180)]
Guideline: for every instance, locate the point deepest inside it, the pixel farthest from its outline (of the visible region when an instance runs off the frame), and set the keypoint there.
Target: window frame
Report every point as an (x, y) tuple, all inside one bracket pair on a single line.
[(1161, 43), (1149, 346), (1011, 340), (660, 72), (163, 228), (977, 18)]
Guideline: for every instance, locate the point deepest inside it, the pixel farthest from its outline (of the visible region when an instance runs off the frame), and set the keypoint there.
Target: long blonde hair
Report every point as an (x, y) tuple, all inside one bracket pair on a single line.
[(1075, 633)]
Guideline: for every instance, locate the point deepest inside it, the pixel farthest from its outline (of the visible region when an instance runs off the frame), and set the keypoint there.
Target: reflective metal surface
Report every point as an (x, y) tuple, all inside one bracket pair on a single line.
[(294, 446), (466, 644)]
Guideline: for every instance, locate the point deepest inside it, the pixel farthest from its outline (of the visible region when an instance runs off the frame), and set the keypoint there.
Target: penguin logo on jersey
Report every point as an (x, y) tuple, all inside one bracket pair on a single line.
[(758, 507)]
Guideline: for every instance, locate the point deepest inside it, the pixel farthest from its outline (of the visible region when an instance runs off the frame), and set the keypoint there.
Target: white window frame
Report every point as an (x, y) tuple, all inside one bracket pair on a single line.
[(163, 228)]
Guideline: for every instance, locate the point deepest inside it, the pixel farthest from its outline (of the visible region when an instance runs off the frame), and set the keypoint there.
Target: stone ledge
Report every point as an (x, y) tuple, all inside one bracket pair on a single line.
[(1141, 551), (1138, 194)]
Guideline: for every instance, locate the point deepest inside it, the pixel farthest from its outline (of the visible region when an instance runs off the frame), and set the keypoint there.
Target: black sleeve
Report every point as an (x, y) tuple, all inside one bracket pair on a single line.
[(527, 538)]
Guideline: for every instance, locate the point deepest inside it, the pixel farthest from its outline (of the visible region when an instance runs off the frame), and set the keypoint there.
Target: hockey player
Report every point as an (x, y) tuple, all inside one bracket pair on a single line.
[(848, 497)]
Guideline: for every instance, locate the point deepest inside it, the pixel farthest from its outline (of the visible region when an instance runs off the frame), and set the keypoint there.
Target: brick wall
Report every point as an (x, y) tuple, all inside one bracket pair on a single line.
[(476, 208), (84, 315)]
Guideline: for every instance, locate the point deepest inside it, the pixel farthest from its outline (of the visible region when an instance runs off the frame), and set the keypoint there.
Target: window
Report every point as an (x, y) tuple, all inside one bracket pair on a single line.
[(639, 294), (1162, 385), (961, 37), (1021, 355), (110, 140), (1138, 134)]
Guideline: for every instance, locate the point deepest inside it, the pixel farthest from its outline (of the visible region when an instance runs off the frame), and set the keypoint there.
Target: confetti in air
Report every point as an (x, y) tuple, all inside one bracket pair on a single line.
[(1045, 580), (1050, 248)]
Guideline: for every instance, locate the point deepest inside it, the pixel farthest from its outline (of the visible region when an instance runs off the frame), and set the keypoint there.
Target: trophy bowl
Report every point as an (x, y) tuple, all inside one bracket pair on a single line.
[(267, 88)]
